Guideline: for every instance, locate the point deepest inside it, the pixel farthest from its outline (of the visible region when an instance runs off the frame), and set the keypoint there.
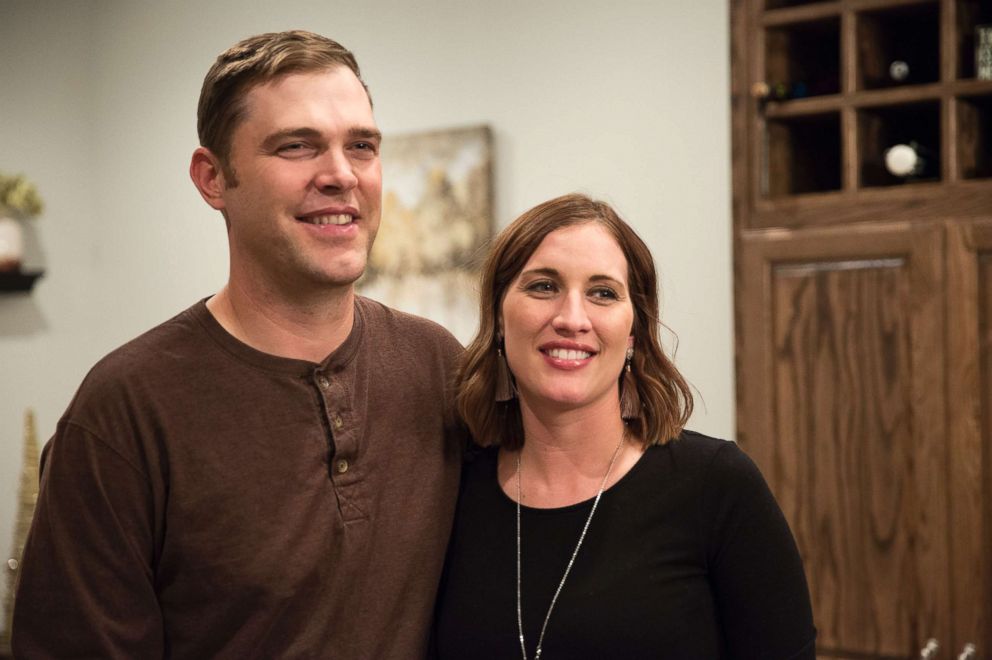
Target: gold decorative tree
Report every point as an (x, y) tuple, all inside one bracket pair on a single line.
[(27, 496)]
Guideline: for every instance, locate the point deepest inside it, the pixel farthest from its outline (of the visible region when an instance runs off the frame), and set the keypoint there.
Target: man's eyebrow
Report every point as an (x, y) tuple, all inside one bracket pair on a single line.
[(306, 132), (273, 139), (365, 133)]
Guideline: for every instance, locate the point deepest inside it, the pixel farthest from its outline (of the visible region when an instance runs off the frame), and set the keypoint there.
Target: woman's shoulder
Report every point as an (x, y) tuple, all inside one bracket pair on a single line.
[(692, 449), (695, 456)]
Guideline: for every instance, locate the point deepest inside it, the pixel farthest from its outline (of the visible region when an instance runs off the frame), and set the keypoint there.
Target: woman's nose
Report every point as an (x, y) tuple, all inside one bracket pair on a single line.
[(571, 316)]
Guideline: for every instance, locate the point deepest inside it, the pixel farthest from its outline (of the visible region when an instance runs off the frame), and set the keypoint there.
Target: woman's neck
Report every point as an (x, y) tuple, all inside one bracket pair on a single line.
[(566, 455)]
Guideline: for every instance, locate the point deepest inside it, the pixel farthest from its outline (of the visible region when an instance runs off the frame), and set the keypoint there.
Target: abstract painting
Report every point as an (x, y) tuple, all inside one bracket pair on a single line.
[(437, 217)]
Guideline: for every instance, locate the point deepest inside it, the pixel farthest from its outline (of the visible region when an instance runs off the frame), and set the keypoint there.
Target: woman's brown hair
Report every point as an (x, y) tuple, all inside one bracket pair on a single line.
[(665, 395)]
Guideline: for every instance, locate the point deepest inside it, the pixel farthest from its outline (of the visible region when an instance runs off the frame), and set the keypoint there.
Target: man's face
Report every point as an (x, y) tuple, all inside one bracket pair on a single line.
[(306, 206)]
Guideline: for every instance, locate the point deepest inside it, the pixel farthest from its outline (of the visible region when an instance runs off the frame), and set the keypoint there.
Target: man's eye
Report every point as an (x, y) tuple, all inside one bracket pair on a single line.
[(296, 150), (366, 149)]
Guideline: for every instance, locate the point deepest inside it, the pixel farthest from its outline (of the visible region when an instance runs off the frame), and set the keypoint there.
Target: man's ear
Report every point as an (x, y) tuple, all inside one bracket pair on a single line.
[(208, 176)]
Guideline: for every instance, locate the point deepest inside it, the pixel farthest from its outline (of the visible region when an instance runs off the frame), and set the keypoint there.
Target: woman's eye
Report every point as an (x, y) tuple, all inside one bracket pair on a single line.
[(604, 293), (541, 286)]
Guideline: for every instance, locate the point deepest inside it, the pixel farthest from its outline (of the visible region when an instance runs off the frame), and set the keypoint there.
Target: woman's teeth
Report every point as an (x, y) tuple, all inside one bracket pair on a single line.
[(563, 354)]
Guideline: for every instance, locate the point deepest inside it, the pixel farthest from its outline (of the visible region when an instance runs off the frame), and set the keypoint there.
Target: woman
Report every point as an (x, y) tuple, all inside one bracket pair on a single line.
[(591, 525)]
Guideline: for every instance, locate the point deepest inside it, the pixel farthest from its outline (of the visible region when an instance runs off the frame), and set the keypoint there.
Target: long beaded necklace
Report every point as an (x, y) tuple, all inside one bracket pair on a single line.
[(582, 536)]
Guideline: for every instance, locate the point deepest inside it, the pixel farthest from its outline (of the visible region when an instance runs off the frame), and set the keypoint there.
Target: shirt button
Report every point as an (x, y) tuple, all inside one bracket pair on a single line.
[(323, 383), (342, 466), (336, 421)]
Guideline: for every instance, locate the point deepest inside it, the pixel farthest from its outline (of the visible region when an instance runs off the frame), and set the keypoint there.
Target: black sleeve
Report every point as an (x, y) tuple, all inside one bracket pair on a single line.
[(755, 568)]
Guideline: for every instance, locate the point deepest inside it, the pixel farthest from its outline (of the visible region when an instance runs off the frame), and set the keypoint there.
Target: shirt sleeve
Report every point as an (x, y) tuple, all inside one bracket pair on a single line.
[(86, 587), (755, 568)]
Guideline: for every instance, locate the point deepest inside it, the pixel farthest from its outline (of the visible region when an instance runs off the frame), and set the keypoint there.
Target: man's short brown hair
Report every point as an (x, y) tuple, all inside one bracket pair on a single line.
[(252, 62)]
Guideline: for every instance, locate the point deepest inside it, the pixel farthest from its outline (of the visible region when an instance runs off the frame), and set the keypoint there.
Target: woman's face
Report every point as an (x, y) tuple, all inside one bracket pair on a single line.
[(567, 319)]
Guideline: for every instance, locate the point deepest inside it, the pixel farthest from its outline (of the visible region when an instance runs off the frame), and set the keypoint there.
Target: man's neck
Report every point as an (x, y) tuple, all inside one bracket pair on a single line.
[(309, 329)]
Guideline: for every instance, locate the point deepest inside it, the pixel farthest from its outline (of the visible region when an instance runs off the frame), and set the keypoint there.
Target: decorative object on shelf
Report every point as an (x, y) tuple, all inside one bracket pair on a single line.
[(27, 495), (19, 200), (983, 52), (11, 244)]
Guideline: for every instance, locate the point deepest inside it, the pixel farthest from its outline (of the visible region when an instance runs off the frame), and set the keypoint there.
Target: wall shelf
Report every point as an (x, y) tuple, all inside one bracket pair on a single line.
[(19, 282)]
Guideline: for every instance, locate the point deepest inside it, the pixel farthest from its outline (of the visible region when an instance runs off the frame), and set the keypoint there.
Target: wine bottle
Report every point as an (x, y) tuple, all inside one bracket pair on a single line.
[(911, 161), (899, 71), (779, 91), (983, 52)]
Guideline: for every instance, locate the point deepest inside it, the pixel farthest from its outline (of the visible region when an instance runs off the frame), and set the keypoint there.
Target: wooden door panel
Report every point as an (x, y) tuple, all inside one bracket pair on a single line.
[(841, 405), (970, 430), (842, 400)]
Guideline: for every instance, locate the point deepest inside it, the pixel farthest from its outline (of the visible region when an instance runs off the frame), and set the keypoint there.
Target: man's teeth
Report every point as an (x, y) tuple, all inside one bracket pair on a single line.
[(563, 354), (341, 219)]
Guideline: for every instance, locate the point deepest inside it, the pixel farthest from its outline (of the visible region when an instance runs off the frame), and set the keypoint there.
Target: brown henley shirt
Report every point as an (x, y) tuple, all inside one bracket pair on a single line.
[(201, 499)]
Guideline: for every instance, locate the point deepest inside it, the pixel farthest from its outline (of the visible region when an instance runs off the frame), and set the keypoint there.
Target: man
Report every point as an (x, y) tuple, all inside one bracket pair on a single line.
[(267, 474)]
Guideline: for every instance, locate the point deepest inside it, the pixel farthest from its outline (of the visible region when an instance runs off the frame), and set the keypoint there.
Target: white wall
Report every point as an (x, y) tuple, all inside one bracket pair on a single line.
[(626, 101)]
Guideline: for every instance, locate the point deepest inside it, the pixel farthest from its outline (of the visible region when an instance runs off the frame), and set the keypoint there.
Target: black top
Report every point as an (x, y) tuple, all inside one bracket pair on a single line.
[(688, 556)]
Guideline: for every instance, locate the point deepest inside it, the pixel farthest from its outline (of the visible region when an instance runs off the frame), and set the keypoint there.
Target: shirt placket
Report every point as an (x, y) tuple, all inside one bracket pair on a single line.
[(344, 469)]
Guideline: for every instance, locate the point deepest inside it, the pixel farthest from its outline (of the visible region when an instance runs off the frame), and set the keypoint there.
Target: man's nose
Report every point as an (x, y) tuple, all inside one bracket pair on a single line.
[(336, 172)]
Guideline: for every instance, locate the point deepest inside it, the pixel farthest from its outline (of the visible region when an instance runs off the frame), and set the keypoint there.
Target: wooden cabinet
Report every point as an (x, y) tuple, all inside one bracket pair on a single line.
[(864, 310), (969, 396)]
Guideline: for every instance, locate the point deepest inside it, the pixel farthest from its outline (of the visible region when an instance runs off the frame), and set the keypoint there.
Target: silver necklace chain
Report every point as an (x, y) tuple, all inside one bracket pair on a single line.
[(582, 536)]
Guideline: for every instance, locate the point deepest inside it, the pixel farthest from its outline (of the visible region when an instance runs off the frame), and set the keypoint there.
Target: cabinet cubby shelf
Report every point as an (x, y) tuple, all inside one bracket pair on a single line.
[(834, 104), (867, 98)]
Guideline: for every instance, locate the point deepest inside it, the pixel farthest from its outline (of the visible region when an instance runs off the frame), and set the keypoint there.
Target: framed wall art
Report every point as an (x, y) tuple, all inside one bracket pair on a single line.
[(437, 217)]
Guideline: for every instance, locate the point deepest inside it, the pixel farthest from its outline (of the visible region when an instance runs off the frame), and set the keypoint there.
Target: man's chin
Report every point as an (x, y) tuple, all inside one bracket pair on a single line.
[(342, 275)]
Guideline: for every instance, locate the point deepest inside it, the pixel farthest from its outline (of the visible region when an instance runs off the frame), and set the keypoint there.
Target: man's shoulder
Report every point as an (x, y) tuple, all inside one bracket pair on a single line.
[(168, 340), (157, 351), (403, 326)]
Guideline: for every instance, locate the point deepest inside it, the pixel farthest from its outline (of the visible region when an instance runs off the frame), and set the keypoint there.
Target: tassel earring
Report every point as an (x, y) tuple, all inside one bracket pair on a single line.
[(504, 380), (630, 401)]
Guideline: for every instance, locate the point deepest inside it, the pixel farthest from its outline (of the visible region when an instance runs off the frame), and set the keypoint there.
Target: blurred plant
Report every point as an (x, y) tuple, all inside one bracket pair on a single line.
[(18, 196)]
